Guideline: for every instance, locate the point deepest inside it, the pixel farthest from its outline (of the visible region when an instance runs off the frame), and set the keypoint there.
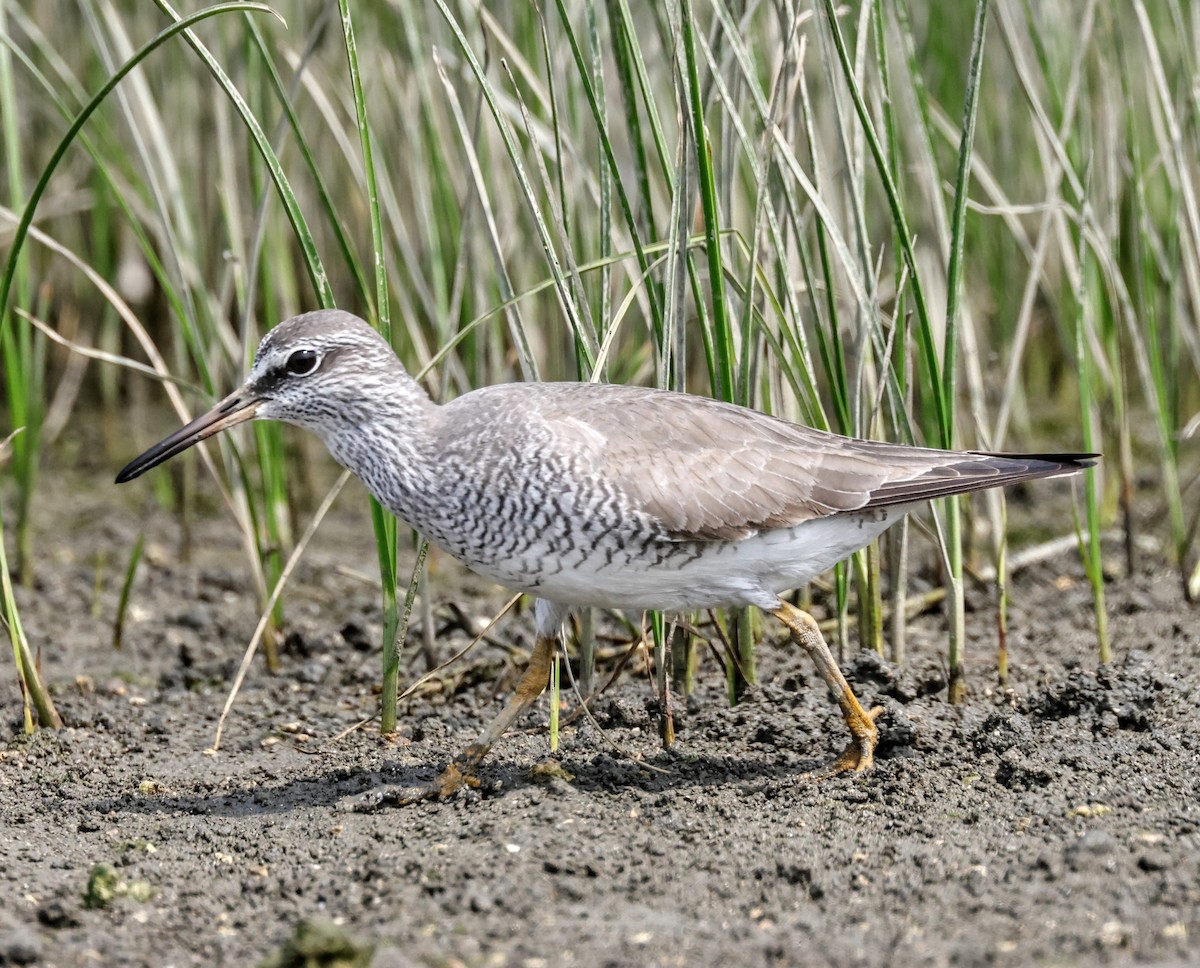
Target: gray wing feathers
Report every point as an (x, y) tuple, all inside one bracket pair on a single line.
[(705, 470)]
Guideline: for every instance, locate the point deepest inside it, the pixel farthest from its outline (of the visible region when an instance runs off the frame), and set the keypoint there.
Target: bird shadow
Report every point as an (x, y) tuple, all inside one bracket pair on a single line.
[(598, 773)]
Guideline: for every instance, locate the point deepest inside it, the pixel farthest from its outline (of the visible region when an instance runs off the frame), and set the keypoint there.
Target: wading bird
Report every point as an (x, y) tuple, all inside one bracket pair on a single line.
[(594, 494)]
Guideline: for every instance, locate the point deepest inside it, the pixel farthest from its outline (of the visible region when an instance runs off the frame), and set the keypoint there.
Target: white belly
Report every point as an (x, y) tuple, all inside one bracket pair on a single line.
[(752, 571)]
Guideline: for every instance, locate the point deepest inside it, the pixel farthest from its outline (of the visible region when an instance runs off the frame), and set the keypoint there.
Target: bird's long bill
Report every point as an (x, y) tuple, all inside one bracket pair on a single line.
[(236, 408)]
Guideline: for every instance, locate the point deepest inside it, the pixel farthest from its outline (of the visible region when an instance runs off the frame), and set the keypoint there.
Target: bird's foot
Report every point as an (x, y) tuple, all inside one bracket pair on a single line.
[(447, 784), (859, 756)]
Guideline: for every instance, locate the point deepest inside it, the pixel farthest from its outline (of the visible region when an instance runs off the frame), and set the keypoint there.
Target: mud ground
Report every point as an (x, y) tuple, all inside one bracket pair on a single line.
[(1055, 822)]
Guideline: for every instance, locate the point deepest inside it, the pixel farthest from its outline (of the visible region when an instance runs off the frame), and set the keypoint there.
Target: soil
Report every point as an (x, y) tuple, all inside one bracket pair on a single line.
[(1052, 822)]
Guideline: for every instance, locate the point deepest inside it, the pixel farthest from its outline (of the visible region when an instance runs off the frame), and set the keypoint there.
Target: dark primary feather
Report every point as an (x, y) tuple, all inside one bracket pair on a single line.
[(978, 471)]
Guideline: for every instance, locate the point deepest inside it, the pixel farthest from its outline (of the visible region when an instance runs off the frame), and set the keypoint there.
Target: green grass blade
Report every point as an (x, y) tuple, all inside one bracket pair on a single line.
[(135, 557), (385, 524), (954, 537), (722, 330), (32, 687)]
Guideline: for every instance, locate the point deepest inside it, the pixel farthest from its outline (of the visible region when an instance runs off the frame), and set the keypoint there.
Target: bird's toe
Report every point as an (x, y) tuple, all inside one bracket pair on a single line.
[(387, 798)]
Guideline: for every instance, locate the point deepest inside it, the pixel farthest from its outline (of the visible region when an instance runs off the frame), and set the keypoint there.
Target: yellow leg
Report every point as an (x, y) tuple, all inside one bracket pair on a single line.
[(860, 754), (462, 768)]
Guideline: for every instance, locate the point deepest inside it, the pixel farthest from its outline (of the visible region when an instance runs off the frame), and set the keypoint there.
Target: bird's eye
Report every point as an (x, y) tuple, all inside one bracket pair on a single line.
[(302, 362)]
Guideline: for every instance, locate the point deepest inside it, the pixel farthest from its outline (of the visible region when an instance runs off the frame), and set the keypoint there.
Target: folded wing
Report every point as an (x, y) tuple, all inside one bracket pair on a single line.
[(708, 471)]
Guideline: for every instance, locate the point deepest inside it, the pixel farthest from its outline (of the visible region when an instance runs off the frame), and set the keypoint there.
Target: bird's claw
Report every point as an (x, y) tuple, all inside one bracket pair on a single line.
[(859, 756), (388, 797), (452, 779), (448, 783)]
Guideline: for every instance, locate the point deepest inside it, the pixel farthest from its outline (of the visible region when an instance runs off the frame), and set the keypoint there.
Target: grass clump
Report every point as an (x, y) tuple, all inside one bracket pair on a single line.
[(105, 886)]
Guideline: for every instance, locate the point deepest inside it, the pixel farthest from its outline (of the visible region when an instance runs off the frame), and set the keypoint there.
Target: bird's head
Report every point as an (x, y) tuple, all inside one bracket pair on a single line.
[(317, 371)]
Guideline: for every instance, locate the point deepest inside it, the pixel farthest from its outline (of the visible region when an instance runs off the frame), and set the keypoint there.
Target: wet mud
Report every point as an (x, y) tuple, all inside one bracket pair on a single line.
[(1051, 822)]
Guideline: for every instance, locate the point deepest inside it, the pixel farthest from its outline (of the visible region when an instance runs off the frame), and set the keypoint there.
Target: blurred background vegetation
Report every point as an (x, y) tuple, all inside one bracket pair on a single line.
[(969, 225)]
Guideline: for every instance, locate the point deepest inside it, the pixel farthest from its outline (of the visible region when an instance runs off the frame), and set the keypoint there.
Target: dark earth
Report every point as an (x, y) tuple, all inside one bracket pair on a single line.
[(1054, 822)]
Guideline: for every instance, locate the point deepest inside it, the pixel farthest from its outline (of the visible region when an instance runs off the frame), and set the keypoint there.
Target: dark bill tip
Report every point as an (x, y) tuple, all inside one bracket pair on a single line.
[(234, 409)]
